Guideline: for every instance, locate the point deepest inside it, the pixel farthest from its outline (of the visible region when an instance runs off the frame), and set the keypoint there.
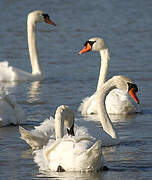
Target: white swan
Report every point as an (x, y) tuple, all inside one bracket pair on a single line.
[(77, 153), (11, 113), (117, 101), (50, 128), (9, 73), (123, 83)]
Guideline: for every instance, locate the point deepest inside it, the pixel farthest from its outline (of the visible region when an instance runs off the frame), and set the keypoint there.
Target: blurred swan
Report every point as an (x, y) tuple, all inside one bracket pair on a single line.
[(9, 73), (11, 113), (117, 102), (77, 153)]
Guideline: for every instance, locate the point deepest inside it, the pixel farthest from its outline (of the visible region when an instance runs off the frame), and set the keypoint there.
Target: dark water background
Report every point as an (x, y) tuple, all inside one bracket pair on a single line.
[(127, 28)]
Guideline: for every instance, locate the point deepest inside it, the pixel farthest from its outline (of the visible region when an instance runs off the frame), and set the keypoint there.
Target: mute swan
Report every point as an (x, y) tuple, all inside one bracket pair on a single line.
[(123, 83), (117, 101), (10, 111), (9, 73), (77, 153), (50, 128)]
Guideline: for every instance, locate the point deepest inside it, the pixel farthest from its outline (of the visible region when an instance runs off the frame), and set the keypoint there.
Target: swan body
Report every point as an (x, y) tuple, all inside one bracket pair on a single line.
[(70, 154), (11, 113), (117, 102), (9, 73), (76, 153), (50, 128)]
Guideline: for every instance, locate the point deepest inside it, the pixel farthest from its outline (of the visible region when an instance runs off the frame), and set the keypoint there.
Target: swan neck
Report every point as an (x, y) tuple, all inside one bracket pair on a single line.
[(59, 126), (32, 45), (101, 108), (105, 58)]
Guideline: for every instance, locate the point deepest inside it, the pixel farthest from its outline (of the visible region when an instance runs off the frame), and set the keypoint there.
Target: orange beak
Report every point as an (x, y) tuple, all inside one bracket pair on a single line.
[(133, 95), (47, 20), (86, 49)]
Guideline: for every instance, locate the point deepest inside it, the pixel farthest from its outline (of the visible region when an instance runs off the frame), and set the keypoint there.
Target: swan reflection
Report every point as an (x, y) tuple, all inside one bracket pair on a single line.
[(7, 88), (71, 175)]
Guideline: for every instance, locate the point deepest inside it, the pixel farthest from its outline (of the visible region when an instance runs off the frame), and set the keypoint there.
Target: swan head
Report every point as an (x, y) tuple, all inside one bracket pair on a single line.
[(126, 85), (94, 44), (39, 16), (67, 116)]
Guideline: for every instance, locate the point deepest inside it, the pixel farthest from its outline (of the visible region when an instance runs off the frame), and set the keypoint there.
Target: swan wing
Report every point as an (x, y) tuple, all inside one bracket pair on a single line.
[(118, 102), (36, 139)]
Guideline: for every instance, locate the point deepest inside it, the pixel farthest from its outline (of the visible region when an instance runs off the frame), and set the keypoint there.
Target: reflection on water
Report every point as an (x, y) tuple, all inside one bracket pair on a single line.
[(7, 88), (126, 26), (34, 89), (113, 117), (34, 92), (122, 118), (71, 175), (27, 154)]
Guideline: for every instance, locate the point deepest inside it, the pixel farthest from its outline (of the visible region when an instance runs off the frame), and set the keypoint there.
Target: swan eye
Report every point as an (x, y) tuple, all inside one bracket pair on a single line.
[(90, 42), (131, 85), (45, 16)]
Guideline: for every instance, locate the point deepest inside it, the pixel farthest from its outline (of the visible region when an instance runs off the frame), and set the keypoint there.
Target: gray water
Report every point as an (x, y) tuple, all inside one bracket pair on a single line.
[(127, 28)]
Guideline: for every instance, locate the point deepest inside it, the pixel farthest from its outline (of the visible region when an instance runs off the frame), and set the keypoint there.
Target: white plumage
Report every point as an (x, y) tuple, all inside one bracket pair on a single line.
[(11, 112)]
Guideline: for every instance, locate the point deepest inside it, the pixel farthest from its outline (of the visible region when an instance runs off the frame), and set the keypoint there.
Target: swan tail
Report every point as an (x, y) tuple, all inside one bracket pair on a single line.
[(95, 149), (4, 64), (35, 139), (95, 158), (7, 72), (40, 159), (88, 105)]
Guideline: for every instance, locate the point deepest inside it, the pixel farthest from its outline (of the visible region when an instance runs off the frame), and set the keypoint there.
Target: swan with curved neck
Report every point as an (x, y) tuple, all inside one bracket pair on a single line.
[(50, 128), (123, 83), (8, 73), (117, 101)]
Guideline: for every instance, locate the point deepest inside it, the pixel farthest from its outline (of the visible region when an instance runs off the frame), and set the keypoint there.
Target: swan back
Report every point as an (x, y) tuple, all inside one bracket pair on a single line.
[(70, 155)]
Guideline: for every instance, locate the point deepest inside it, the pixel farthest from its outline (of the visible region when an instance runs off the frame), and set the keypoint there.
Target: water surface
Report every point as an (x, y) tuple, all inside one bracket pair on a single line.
[(126, 26)]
